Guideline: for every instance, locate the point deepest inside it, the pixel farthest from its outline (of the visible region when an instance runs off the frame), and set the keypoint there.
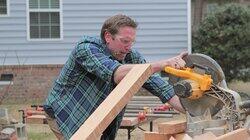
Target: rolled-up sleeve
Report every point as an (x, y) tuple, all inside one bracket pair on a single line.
[(159, 87), (92, 58), (155, 84)]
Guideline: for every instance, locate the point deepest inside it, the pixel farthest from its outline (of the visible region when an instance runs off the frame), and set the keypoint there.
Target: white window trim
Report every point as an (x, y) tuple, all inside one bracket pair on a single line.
[(4, 83), (44, 10), (8, 9), (189, 28)]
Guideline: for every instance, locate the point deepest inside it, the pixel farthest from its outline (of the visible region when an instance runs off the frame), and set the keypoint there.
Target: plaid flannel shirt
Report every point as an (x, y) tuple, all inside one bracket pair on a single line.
[(86, 80)]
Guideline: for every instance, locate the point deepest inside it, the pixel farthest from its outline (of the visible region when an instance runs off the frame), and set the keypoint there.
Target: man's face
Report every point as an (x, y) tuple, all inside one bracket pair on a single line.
[(121, 43)]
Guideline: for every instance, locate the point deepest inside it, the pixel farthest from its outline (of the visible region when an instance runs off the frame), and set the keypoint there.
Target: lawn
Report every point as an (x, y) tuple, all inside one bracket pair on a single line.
[(34, 131)]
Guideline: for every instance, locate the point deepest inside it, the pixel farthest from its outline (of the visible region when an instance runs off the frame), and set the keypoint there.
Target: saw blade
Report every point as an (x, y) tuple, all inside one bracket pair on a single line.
[(198, 107)]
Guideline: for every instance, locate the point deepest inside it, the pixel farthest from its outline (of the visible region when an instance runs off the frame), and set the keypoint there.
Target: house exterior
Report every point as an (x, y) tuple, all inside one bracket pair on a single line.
[(36, 36)]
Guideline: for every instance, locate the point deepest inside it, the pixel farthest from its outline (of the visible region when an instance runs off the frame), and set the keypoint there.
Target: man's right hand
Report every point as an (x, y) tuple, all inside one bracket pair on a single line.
[(177, 61)]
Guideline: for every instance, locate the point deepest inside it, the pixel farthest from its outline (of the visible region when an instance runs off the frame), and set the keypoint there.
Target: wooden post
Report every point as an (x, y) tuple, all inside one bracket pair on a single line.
[(172, 127), (114, 103)]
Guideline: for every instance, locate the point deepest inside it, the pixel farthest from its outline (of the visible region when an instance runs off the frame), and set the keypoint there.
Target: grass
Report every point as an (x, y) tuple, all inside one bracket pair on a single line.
[(39, 132), (34, 131), (38, 136)]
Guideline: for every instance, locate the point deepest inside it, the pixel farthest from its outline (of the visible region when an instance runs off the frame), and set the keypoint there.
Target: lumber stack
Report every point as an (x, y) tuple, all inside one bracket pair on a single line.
[(168, 131), (175, 130)]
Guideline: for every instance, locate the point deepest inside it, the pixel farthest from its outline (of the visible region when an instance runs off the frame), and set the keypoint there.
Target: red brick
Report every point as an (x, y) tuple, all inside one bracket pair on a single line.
[(30, 81)]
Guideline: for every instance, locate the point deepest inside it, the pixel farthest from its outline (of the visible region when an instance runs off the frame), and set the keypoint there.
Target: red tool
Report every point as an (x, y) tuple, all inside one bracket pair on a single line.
[(162, 108), (141, 116)]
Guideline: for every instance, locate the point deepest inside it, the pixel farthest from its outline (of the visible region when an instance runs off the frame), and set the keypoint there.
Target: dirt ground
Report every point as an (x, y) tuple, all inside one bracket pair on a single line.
[(240, 86)]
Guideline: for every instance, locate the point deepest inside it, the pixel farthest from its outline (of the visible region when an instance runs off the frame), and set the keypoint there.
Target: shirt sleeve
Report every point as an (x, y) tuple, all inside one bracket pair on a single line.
[(155, 84), (93, 59), (159, 87)]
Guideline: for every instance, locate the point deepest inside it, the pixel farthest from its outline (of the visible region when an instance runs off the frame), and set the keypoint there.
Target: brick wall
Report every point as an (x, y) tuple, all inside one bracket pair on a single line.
[(29, 81)]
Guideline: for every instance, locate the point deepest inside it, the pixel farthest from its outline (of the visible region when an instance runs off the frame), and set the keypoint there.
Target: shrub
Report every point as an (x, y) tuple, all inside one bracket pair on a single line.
[(224, 35)]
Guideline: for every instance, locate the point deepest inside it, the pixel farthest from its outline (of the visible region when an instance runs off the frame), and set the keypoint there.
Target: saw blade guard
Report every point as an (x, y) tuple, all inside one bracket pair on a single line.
[(198, 107)]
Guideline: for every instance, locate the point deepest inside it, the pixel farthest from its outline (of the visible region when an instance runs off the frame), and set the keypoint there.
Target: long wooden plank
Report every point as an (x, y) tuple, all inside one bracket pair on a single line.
[(145, 98), (35, 112), (114, 103), (239, 134), (172, 127), (150, 115), (155, 136)]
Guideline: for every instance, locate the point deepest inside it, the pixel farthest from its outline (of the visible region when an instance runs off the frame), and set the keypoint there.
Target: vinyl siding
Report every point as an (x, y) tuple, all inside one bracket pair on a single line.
[(162, 32)]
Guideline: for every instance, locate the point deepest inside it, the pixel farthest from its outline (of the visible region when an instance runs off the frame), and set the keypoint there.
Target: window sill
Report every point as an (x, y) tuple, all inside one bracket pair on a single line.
[(4, 83)]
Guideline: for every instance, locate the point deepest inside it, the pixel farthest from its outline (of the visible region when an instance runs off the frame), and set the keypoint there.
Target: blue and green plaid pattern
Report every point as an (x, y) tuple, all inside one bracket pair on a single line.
[(87, 79)]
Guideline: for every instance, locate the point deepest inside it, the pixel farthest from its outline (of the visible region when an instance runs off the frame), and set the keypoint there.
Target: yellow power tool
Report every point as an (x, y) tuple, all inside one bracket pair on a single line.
[(209, 104), (194, 85)]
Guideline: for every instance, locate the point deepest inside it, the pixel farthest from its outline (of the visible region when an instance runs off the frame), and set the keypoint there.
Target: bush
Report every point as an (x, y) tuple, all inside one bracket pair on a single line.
[(224, 35)]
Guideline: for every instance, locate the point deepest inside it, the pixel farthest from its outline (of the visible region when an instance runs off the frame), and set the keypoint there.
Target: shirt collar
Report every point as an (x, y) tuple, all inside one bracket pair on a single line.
[(106, 51), (97, 40)]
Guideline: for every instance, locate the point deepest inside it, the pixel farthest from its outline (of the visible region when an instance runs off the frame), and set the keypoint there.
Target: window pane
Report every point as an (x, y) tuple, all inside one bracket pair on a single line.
[(3, 11), (44, 4), (33, 18), (3, 3), (44, 18), (44, 25), (55, 19), (34, 32), (3, 7), (33, 4), (54, 3), (45, 32), (55, 32)]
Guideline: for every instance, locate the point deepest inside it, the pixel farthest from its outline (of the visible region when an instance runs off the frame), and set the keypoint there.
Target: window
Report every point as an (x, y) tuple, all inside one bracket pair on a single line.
[(3, 7), (44, 19), (6, 79)]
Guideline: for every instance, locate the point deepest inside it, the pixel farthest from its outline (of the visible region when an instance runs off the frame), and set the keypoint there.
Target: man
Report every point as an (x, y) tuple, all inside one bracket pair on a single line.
[(93, 69)]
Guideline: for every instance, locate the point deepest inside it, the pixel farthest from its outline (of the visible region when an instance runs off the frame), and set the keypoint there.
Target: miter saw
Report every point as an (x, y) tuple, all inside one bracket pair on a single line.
[(209, 104)]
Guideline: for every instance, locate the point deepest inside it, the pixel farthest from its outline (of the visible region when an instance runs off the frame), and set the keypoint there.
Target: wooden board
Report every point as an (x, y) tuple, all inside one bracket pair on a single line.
[(182, 136), (155, 136), (129, 121), (35, 112), (114, 103), (172, 127), (206, 136), (239, 134), (36, 119)]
